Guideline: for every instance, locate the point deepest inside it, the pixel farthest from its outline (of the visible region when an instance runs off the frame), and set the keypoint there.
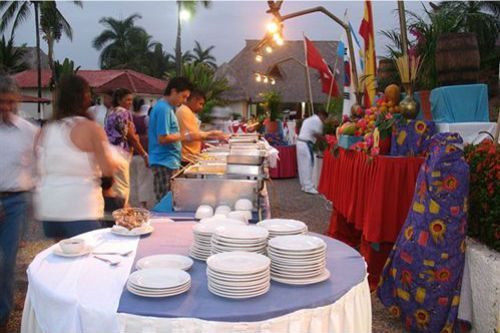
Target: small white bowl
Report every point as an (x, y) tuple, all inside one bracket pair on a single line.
[(72, 245), (246, 213), (204, 211), (222, 210), (243, 204), (239, 215)]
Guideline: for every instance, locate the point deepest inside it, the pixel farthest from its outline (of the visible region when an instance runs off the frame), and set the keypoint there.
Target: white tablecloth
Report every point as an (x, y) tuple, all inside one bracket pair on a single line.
[(468, 131), (82, 295)]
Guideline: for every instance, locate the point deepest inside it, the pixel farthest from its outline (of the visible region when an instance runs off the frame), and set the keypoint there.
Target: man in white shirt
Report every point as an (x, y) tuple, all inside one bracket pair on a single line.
[(310, 131), (100, 111), (17, 138)]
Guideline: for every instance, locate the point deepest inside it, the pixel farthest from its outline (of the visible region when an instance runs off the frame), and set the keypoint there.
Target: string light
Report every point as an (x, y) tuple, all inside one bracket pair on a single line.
[(272, 27), (269, 49), (258, 77), (258, 58)]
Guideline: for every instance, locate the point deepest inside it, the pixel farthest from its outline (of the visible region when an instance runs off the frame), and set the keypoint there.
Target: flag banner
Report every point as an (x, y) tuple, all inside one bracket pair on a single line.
[(316, 61), (370, 62)]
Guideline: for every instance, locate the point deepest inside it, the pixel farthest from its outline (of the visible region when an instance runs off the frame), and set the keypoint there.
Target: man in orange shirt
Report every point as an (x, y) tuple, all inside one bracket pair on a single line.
[(189, 125)]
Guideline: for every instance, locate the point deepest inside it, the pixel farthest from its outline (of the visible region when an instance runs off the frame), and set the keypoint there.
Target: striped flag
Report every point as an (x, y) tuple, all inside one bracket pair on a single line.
[(367, 33)]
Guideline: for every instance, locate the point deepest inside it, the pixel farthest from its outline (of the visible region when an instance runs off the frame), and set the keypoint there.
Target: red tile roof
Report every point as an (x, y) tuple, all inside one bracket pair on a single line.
[(102, 80), (32, 99)]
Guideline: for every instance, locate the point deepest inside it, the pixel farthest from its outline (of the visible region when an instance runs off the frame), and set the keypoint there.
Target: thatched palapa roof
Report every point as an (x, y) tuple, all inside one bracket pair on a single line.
[(290, 75)]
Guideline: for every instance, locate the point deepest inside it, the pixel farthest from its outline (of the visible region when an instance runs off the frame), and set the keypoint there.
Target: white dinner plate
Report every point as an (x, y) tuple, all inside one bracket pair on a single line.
[(59, 252), (165, 261), (231, 241), (233, 296), (297, 243), (296, 255), (158, 291), (159, 278), (324, 276), (238, 278), (121, 231), (239, 284), (284, 226), (207, 227), (247, 232), (238, 290), (296, 275), (165, 294), (238, 262)]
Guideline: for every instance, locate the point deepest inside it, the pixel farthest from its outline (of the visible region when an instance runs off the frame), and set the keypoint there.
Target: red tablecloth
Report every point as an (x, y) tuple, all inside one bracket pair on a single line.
[(371, 200), (287, 163)]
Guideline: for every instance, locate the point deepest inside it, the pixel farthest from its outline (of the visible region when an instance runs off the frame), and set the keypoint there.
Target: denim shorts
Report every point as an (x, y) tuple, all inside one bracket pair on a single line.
[(66, 229)]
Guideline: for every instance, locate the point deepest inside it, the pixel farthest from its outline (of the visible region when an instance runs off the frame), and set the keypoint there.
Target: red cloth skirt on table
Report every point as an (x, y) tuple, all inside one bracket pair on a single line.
[(287, 163)]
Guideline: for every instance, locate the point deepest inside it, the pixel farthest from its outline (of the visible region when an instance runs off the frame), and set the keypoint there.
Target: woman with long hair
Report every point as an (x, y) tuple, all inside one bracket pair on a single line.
[(121, 133), (73, 155)]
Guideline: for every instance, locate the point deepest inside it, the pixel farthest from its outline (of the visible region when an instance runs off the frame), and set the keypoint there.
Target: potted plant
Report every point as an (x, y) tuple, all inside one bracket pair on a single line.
[(272, 101)]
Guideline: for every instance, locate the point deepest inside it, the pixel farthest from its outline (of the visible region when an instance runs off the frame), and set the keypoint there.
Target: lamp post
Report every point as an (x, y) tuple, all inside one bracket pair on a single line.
[(274, 8)]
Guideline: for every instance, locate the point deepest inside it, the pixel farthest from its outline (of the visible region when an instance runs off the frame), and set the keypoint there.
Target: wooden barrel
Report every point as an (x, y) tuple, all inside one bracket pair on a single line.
[(457, 59), (387, 73)]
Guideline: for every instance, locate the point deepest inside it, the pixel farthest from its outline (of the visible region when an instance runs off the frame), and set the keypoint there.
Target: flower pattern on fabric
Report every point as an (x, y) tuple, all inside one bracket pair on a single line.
[(423, 275), (409, 137), (117, 126)]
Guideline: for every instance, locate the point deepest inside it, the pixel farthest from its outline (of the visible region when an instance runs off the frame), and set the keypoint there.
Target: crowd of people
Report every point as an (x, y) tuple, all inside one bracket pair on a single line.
[(86, 162)]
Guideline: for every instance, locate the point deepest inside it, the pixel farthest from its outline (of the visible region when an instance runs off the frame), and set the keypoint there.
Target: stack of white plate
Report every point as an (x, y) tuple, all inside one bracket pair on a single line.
[(283, 227), (298, 259), (158, 282), (247, 238), (202, 235), (238, 274)]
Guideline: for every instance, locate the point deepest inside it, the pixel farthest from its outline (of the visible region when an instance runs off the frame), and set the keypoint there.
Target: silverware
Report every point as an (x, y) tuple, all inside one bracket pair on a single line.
[(123, 254), (109, 261)]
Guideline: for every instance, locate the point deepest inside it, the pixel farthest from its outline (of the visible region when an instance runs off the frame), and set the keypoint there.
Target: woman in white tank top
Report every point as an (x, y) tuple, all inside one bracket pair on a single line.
[(72, 157)]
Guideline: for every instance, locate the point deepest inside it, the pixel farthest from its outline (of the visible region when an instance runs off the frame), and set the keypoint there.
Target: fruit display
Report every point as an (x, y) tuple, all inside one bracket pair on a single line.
[(363, 122)]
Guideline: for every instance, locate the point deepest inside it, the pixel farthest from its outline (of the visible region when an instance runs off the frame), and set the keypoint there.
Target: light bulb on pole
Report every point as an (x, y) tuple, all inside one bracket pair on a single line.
[(185, 15), (269, 49), (272, 27)]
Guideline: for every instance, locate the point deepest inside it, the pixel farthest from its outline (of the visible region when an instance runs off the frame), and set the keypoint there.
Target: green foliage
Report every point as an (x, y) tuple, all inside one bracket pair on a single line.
[(272, 103), (205, 56), (203, 78), (67, 67), (335, 107), (11, 57), (484, 193)]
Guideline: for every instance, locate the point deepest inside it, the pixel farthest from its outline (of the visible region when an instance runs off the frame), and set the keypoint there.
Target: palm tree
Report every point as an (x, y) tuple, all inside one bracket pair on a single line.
[(19, 11), (204, 55), (186, 58), (116, 41), (189, 6), (11, 58)]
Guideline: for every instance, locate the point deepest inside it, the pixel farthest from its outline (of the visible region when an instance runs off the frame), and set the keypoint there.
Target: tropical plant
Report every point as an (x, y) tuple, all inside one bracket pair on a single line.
[(484, 197), (201, 55), (122, 43), (334, 108), (480, 17), (11, 57), (204, 79), (186, 58), (67, 67), (189, 6), (272, 102), (52, 23)]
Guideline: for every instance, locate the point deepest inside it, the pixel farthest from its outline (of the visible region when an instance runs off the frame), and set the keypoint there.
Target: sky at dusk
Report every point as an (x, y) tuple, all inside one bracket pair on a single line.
[(226, 24)]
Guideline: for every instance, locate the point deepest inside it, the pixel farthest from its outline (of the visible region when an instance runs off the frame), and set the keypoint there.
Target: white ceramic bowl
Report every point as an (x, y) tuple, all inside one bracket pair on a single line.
[(239, 215), (72, 245), (222, 210), (243, 204), (204, 211), (246, 213)]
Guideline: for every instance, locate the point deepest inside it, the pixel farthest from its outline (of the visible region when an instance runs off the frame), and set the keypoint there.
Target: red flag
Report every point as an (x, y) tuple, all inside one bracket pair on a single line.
[(316, 61)]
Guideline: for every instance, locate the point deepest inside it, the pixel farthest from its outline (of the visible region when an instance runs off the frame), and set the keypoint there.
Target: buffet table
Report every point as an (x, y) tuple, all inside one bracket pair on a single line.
[(287, 164), (371, 199), (82, 294)]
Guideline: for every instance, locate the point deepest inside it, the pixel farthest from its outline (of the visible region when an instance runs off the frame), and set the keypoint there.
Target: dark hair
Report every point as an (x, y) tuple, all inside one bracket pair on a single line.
[(106, 182), (119, 94), (70, 97), (196, 94), (109, 92), (179, 84), (137, 103), (322, 113)]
